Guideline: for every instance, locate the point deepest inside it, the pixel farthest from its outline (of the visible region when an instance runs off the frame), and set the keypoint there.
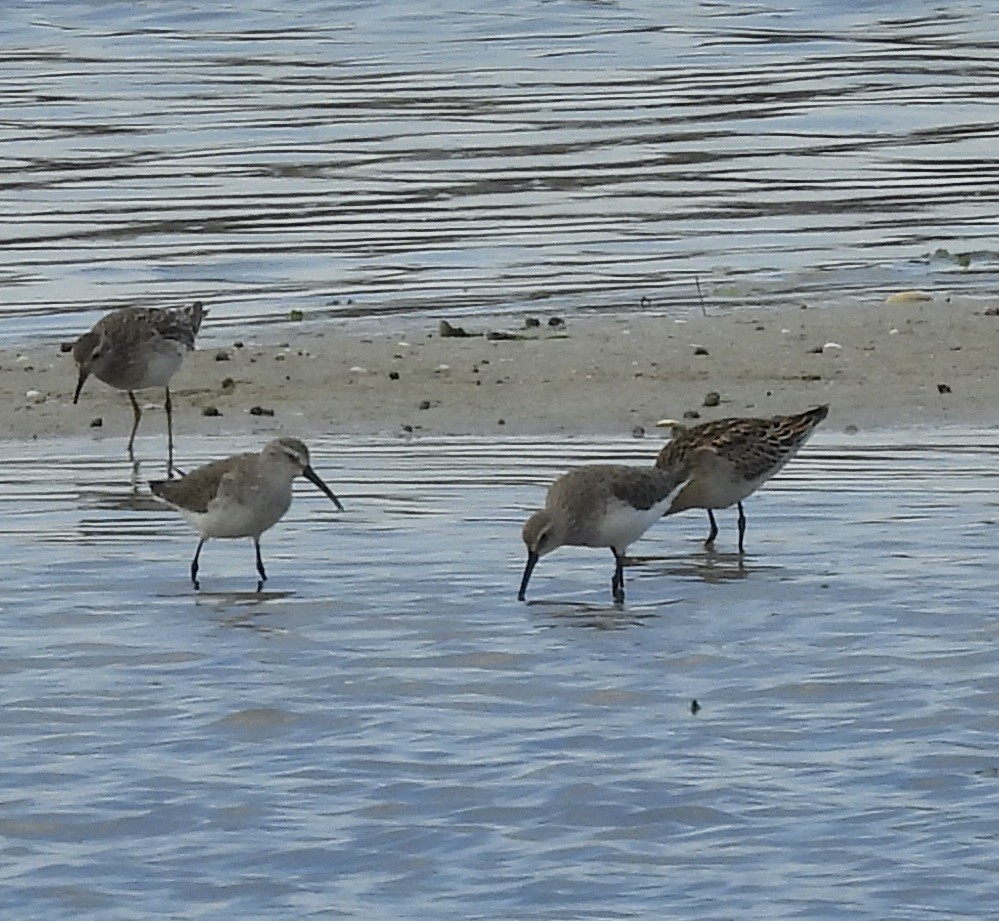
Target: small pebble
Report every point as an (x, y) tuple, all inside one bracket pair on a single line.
[(638, 432), (811, 377), (556, 322), (237, 344), (296, 315), (210, 411), (222, 355), (694, 707), (260, 411), (393, 375), (35, 396), (691, 414), (228, 383), (501, 421), (531, 322), (943, 388), (407, 428), (712, 399), (96, 422), (851, 430), (425, 404), (700, 350), (68, 346)]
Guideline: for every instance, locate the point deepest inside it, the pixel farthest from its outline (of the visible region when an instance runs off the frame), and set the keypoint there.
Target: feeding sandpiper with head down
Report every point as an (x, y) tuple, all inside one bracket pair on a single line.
[(730, 459), (241, 496), (135, 348), (602, 505)]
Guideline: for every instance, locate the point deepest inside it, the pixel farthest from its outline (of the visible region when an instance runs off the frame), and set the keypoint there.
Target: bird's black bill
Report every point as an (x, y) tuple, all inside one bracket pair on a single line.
[(313, 477), (79, 386), (532, 561)]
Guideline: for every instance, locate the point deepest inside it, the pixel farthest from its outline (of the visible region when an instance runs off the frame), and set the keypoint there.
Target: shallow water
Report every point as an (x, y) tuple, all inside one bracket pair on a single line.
[(370, 158), (388, 733)]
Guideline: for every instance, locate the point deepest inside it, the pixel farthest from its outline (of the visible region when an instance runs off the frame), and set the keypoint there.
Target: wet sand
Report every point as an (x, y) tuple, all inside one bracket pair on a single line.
[(911, 363)]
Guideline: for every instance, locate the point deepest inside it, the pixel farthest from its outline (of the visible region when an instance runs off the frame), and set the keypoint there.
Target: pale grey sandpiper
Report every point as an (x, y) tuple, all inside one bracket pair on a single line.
[(602, 505), (730, 459), (135, 348), (240, 496)]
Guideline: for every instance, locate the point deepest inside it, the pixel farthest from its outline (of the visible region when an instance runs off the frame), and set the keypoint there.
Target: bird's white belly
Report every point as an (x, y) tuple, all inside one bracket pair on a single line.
[(723, 492), (161, 365), (622, 524), (228, 518)]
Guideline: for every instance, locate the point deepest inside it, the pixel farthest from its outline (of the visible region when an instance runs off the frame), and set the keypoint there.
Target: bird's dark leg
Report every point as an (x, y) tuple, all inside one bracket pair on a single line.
[(169, 414), (617, 583), (137, 413), (742, 528), (194, 565), (713, 533), (260, 566)]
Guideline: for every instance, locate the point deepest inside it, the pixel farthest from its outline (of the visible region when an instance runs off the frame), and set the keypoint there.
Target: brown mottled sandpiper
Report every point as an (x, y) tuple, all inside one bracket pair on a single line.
[(241, 496), (603, 505), (135, 348), (730, 459)]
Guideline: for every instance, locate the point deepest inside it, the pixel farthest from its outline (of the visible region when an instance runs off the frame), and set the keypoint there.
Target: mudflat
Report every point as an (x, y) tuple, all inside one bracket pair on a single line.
[(908, 363)]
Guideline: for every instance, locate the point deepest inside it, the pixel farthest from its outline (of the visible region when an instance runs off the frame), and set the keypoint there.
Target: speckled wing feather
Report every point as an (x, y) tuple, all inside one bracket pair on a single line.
[(181, 325), (755, 448), (133, 325)]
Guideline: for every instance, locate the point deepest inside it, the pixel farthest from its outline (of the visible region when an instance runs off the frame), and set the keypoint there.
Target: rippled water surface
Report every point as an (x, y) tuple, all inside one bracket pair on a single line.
[(388, 733), (365, 158)]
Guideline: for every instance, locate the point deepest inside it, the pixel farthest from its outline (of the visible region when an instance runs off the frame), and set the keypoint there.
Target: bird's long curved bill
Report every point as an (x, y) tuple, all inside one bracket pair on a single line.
[(79, 386), (532, 561), (313, 477)]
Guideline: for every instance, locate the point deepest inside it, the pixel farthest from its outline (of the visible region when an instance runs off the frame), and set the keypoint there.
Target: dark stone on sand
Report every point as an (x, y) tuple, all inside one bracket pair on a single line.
[(446, 331), (260, 411)]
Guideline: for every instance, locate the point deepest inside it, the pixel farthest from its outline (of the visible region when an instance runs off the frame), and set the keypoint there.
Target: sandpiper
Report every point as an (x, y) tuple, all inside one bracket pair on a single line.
[(138, 347), (730, 459), (603, 505), (240, 496)]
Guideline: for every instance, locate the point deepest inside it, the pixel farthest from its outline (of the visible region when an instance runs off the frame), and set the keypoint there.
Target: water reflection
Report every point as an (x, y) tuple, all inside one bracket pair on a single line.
[(377, 158), (389, 721)]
